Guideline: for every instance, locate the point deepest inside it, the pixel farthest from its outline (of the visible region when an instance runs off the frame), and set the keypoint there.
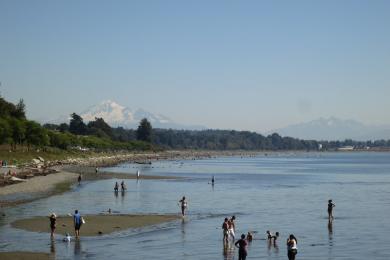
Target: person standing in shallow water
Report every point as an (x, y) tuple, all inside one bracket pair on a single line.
[(183, 205), (241, 244), (292, 249), (225, 230), (53, 220), (330, 209), (232, 227)]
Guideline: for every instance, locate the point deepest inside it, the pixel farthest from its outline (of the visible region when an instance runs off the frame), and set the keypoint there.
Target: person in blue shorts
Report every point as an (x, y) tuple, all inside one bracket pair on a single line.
[(77, 223)]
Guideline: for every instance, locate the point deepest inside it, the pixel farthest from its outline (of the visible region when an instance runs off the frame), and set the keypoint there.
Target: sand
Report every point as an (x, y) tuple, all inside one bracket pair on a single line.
[(24, 256), (95, 224), (39, 184)]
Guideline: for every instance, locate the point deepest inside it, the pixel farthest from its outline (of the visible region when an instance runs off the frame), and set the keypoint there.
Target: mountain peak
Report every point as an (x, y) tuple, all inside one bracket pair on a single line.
[(334, 128)]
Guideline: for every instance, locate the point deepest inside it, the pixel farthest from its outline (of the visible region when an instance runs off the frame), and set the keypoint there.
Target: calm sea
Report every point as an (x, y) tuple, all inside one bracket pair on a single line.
[(284, 192)]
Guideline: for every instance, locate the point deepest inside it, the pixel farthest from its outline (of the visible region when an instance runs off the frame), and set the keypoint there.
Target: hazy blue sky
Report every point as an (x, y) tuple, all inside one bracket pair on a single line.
[(254, 65)]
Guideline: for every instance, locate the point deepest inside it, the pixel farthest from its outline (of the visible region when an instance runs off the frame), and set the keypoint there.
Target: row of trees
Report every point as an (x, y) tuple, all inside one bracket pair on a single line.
[(16, 129)]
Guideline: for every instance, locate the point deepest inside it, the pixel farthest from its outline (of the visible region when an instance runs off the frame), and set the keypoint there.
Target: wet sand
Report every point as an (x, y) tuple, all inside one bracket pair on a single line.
[(19, 255), (95, 224)]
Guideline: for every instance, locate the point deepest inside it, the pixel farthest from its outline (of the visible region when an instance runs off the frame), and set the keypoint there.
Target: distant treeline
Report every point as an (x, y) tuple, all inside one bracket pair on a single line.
[(219, 139), (15, 129)]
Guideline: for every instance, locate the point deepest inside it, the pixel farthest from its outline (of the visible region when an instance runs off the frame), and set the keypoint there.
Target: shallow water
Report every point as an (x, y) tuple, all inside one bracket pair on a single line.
[(281, 192)]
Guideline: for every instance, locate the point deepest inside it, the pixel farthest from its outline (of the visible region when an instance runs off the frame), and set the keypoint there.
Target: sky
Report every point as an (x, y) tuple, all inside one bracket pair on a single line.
[(245, 65)]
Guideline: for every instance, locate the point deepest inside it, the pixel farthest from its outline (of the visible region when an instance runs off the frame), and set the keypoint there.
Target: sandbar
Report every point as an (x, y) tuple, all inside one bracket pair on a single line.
[(95, 224), (19, 255)]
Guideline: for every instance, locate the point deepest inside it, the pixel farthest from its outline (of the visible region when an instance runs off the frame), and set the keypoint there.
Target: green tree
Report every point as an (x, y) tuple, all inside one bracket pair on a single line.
[(20, 110), (76, 125), (35, 134), (100, 124), (144, 131), (63, 127), (5, 131), (18, 131)]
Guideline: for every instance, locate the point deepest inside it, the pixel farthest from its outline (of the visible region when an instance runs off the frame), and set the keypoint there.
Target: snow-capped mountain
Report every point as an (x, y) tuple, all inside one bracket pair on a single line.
[(117, 115), (335, 129)]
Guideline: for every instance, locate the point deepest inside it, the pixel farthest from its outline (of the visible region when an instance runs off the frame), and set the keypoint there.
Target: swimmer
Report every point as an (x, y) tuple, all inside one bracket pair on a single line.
[(225, 230), (249, 237), (330, 209), (183, 204), (269, 235), (275, 237), (232, 227), (241, 244), (292, 247)]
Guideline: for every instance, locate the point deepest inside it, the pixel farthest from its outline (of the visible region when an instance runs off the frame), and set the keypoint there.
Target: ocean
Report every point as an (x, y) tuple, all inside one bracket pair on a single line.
[(284, 192)]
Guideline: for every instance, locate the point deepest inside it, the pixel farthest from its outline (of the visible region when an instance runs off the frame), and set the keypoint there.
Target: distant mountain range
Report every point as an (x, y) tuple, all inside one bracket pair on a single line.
[(117, 115), (320, 129), (335, 129)]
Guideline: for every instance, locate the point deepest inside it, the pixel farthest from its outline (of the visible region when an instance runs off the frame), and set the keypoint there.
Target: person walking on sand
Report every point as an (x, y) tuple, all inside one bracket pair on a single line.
[(116, 187), (212, 180), (137, 174), (183, 205), (241, 244), (53, 219), (79, 179), (292, 249), (232, 227), (225, 230), (330, 209), (77, 221)]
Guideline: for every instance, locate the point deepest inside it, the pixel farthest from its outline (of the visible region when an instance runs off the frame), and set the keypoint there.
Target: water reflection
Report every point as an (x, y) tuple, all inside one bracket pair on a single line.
[(52, 246), (330, 238), (77, 247), (228, 251), (330, 232), (183, 230)]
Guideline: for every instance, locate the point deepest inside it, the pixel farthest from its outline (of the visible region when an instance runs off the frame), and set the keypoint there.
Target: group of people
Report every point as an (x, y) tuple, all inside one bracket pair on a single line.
[(228, 228), (123, 186), (78, 221)]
